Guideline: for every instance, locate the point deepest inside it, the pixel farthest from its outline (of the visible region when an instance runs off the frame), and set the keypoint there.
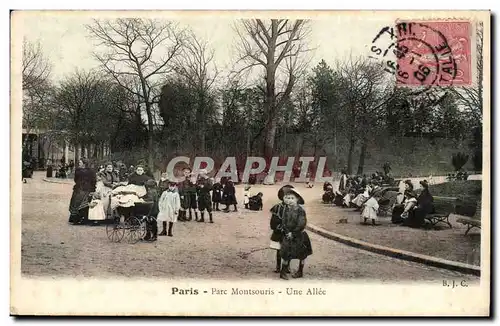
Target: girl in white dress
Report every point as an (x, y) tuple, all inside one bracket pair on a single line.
[(169, 206)]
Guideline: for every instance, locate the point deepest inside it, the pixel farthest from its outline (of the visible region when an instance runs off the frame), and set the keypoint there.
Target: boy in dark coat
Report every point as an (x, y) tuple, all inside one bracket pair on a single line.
[(229, 196), (187, 191), (152, 195), (203, 188), (255, 202), (216, 195)]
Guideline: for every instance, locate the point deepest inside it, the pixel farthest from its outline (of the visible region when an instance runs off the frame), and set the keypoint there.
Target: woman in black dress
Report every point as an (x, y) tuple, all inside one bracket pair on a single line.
[(425, 205), (85, 182)]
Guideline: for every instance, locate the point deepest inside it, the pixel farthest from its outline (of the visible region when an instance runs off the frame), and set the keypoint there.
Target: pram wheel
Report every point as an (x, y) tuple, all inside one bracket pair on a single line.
[(136, 228), (115, 231)]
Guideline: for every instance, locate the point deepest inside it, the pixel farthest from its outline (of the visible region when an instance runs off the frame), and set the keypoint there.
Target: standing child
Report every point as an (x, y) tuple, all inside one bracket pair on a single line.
[(216, 194), (187, 191), (295, 243), (169, 206), (370, 209), (229, 196), (203, 187), (247, 195), (277, 212), (163, 183), (152, 195)]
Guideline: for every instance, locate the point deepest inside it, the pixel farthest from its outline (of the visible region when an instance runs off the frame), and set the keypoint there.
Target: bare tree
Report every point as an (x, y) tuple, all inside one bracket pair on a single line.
[(277, 47), (197, 68), (364, 91), (37, 89), (36, 67), (141, 49)]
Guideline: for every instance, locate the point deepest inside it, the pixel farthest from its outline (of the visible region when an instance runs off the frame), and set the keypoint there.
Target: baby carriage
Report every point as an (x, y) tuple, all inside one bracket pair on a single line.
[(130, 222)]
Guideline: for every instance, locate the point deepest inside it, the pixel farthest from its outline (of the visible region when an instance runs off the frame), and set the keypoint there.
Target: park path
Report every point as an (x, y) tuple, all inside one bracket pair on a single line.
[(223, 250)]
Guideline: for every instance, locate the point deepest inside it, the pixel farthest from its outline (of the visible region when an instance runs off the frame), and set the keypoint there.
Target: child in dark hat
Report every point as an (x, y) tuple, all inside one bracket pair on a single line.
[(255, 202), (277, 212), (295, 243), (151, 196)]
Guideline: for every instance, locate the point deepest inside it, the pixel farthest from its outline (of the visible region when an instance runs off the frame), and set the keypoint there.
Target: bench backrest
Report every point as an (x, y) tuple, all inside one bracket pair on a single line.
[(445, 205)]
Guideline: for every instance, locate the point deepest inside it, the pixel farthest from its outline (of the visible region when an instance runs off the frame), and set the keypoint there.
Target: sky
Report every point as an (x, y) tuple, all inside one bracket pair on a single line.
[(66, 44)]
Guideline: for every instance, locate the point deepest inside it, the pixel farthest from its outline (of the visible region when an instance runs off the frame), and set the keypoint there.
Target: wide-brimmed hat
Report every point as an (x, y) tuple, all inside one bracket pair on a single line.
[(281, 192), (424, 183), (300, 199)]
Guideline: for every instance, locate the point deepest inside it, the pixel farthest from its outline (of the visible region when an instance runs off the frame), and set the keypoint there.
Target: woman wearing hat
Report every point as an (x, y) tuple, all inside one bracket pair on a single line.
[(425, 205), (277, 212), (295, 243)]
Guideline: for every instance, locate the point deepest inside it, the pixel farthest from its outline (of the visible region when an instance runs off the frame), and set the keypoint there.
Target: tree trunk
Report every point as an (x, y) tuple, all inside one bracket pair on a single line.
[(95, 155), (349, 155), (362, 156), (299, 147), (269, 138)]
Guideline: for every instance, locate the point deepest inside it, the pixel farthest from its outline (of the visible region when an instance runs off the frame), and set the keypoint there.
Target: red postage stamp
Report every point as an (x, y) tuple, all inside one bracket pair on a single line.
[(434, 53)]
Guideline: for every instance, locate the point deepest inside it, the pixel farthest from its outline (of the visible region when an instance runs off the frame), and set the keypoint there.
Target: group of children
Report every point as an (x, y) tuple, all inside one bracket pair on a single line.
[(182, 201)]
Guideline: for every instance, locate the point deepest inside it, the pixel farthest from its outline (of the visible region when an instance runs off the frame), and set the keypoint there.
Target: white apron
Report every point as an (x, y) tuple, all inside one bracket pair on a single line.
[(169, 206)]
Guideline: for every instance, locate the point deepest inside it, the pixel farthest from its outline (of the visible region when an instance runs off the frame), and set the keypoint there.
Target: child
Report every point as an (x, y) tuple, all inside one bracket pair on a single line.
[(163, 183), (169, 206), (295, 243), (255, 202), (276, 220), (216, 194), (370, 209), (246, 195), (151, 224), (187, 191), (203, 188), (229, 196)]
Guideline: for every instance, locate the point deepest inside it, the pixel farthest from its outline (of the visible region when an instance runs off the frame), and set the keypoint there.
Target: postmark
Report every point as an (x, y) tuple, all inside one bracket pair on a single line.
[(427, 57)]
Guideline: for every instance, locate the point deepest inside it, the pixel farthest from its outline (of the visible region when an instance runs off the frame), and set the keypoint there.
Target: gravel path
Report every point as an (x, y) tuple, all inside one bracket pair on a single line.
[(223, 250)]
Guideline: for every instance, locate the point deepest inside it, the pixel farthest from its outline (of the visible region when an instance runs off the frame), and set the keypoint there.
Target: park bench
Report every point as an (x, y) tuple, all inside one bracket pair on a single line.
[(472, 222), (443, 207)]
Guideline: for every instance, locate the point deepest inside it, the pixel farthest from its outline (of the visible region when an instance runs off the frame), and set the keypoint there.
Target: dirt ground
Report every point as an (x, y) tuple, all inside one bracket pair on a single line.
[(234, 247)]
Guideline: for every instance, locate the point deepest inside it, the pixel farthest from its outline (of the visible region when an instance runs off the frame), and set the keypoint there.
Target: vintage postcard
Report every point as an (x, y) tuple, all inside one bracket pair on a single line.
[(219, 163)]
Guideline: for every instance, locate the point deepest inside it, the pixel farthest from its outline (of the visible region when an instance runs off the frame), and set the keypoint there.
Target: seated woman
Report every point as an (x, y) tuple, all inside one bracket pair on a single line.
[(400, 210), (328, 195), (350, 192), (424, 206), (255, 202), (138, 178)]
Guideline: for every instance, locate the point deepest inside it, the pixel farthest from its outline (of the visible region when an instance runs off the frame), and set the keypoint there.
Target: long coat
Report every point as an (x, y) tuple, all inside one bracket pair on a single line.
[(217, 192), (229, 194), (299, 245), (203, 188), (169, 206), (108, 178)]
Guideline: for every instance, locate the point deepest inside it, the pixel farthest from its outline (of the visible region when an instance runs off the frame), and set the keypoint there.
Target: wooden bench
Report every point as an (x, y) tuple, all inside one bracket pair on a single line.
[(472, 222), (443, 207)]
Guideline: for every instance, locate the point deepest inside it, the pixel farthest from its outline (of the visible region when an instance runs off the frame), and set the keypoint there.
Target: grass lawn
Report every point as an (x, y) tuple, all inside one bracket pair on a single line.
[(468, 192)]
